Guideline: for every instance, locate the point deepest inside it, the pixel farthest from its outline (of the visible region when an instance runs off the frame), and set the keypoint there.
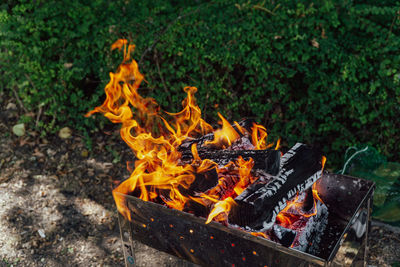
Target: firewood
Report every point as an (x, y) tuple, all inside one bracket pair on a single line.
[(258, 206), (247, 124), (309, 235), (202, 182), (266, 160)]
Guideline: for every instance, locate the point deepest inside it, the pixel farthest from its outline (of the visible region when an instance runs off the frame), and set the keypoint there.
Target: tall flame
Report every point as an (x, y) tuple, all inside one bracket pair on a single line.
[(246, 177), (226, 135), (155, 135)]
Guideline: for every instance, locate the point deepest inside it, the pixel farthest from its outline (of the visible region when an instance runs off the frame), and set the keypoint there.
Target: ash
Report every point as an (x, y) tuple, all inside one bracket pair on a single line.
[(308, 239), (242, 143)]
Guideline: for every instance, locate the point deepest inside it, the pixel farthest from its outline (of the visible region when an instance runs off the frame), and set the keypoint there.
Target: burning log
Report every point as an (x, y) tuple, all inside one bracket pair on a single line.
[(226, 184), (227, 180), (309, 233), (258, 206), (161, 176), (202, 182), (266, 160), (245, 124)]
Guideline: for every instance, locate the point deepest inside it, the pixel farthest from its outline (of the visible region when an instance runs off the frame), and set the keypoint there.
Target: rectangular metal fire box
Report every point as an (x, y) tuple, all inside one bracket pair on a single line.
[(343, 241)]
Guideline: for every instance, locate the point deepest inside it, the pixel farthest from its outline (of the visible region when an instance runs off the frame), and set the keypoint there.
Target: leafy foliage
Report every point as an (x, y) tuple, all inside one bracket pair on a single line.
[(323, 72)]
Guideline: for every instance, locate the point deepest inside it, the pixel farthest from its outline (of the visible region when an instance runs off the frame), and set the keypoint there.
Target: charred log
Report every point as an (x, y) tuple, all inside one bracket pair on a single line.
[(258, 205), (201, 141), (308, 202), (308, 236), (225, 186), (266, 160), (202, 182)]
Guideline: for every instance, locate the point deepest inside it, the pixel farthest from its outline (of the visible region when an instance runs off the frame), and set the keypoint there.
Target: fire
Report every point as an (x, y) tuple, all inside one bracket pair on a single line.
[(221, 208), (155, 135), (285, 218), (260, 234), (259, 136), (225, 136), (245, 174)]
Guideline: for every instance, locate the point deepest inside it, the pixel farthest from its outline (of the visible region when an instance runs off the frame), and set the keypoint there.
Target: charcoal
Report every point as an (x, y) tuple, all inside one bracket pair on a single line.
[(266, 160), (202, 182), (258, 207), (308, 237)]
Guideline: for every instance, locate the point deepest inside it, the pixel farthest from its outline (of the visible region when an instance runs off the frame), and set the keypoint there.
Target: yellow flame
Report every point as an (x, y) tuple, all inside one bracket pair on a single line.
[(155, 135), (246, 178), (226, 135), (278, 144), (221, 208)]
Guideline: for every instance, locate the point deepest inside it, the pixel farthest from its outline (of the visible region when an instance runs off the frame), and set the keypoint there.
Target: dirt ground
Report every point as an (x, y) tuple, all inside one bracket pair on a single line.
[(56, 206)]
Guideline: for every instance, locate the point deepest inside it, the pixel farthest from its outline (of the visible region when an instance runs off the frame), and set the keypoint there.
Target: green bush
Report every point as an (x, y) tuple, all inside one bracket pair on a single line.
[(56, 55), (323, 72)]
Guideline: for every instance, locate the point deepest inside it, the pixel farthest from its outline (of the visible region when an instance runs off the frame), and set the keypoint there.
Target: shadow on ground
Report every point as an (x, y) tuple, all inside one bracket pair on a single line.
[(56, 206)]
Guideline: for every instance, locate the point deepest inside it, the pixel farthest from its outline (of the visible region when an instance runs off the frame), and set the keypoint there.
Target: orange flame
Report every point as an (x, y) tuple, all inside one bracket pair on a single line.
[(262, 234), (278, 144), (155, 135), (221, 208), (226, 135), (245, 175), (259, 136)]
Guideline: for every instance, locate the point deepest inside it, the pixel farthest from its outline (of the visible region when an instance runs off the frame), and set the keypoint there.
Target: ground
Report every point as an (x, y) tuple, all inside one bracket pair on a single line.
[(56, 206)]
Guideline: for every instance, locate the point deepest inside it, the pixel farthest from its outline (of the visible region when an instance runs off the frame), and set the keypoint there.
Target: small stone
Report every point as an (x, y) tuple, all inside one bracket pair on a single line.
[(41, 233), (65, 133), (50, 152), (19, 129), (90, 172), (11, 106), (26, 245)]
